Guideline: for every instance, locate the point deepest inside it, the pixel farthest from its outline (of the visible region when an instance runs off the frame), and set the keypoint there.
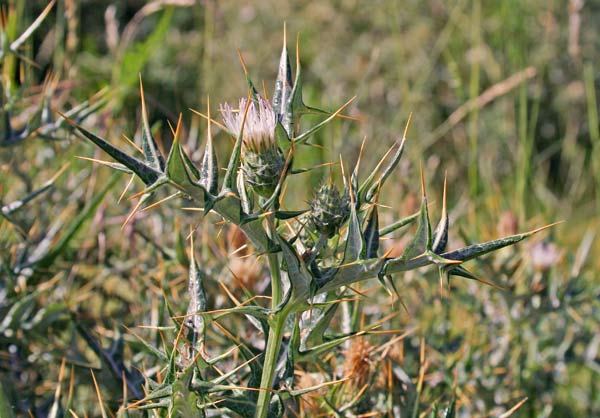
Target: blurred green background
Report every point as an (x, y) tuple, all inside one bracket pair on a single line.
[(504, 102)]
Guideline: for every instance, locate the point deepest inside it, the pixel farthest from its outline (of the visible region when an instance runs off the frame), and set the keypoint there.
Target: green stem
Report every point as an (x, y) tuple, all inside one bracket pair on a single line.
[(275, 331), (276, 295), (270, 362)]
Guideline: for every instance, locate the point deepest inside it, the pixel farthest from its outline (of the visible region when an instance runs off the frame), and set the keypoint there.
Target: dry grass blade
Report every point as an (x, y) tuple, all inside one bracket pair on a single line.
[(100, 402), (514, 408)]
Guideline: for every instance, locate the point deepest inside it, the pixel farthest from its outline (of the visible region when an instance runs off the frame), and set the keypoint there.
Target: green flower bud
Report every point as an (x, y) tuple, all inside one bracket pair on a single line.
[(263, 170), (329, 210)]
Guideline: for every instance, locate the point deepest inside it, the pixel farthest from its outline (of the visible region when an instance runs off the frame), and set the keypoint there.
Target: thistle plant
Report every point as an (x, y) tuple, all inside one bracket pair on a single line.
[(314, 253)]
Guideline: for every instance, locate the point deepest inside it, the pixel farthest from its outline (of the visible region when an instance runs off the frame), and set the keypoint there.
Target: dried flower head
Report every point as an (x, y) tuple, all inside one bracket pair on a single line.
[(357, 363)]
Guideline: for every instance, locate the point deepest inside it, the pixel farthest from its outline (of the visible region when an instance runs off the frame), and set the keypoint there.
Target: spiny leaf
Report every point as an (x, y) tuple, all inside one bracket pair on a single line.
[(422, 239), (244, 193), (372, 234), (151, 152), (303, 137), (354, 239), (283, 83), (299, 276), (148, 174), (440, 235), (182, 173), (370, 186), (472, 251), (460, 271), (251, 87), (315, 327), (197, 301), (289, 214), (209, 172), (399, 224)]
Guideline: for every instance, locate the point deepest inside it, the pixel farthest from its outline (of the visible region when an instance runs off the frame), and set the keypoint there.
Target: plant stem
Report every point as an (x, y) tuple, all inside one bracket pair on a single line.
[(275, 280), (275, 331), (271, 355)]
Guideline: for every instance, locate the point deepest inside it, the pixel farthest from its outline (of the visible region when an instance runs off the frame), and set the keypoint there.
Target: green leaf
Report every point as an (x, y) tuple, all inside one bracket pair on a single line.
[(399, 224), (283, 83), (182, 172), (370, 181), (209, 171), (148, 174), (197, 303), (354, 238), (299, 276), (315, 327), (472, 251), (151, 152), (422, 238), (372, 234), (386, 172), (289, 214), (440, 235)]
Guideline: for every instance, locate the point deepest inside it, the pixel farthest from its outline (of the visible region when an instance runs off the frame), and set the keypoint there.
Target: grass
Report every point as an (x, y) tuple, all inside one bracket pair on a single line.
[(523, 152)]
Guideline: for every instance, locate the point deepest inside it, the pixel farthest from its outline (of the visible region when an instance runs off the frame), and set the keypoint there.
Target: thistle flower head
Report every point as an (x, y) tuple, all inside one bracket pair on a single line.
[(329, 209), (259, 127), (263, 161)]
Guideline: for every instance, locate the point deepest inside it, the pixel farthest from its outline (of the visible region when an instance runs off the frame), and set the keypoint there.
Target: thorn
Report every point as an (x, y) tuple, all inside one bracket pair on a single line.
[(342, 168), (105, 163), (133, 212), (209, 130), (444, 211), (423, 192), (265, 93), (360, 153), (229, 294), (177, 130), (129, 183), (58, 173), (297, 54), (242, 62), (133, 144), (535, 231), (246, 109), (160, 202), (216, 122), (171, 127), (406, 127)]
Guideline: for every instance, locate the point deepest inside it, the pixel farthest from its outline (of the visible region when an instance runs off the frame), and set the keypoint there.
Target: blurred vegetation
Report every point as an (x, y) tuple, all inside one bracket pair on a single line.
[(504, 101)]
